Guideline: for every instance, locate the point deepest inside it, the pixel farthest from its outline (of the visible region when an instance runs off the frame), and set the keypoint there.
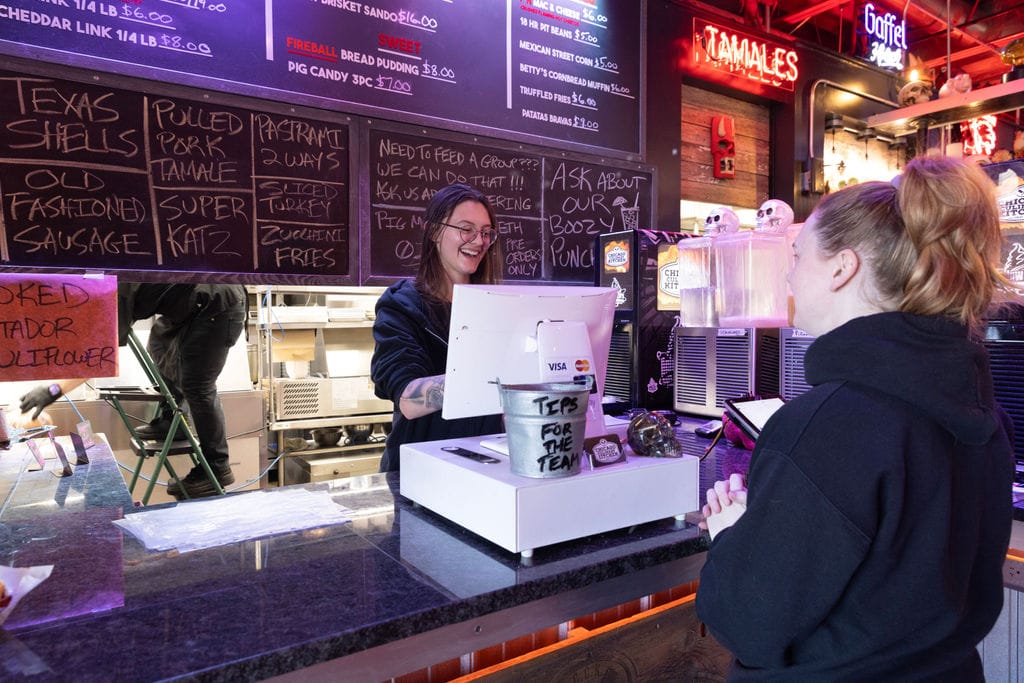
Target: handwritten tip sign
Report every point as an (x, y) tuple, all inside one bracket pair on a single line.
[(57, 327)]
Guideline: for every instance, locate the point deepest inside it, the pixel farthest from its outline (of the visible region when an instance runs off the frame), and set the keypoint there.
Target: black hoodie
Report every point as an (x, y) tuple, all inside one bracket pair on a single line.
[(878, 514), (410, 345)]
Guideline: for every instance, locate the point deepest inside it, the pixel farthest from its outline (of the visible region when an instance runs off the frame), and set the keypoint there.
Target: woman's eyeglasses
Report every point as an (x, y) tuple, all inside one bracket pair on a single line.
[(469, 234)]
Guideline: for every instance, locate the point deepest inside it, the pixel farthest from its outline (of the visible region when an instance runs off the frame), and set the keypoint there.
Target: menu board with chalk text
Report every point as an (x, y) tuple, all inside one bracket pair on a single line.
[(567, 71)]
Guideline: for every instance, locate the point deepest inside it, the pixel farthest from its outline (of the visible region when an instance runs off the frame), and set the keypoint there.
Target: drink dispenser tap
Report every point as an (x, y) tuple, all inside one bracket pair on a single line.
[(697, 306)]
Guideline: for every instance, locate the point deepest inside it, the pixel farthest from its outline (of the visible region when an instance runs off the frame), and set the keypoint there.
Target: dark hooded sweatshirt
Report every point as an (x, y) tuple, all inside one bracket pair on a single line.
[(412, 343), (878, 515)]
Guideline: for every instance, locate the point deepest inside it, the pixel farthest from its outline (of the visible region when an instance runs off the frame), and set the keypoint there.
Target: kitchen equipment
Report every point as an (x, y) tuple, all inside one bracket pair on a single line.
[(715, 363), (315, 397), (750, 279), (358, 433), (644, 266), (304, 469), (696, 283), (326, 437)]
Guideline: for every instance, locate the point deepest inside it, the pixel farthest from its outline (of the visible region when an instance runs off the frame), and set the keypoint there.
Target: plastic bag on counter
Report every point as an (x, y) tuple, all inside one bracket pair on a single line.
[(210, 522), (15, 583)]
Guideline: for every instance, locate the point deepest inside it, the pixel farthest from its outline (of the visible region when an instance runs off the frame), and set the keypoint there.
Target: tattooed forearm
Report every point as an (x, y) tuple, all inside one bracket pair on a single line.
[(435, 395), (425, 394)]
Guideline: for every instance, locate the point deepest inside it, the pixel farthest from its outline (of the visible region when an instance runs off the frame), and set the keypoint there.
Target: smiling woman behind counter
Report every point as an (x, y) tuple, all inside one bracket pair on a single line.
[(460, 246)]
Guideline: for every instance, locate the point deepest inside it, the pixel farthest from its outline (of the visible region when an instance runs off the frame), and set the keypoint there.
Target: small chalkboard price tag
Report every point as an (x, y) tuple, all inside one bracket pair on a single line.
[(604, 450)]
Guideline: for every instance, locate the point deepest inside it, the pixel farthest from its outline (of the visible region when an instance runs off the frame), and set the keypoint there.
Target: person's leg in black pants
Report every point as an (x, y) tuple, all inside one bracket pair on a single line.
[(191, 357)]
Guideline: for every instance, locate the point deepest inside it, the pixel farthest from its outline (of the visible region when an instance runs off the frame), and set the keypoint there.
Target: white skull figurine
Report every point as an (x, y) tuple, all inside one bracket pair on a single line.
[(774, 216), (957, 85), (915, 92), (721, 219)]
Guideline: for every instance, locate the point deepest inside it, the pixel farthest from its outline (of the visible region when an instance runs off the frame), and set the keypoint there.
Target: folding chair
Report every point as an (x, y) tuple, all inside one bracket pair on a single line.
[(147, 448)]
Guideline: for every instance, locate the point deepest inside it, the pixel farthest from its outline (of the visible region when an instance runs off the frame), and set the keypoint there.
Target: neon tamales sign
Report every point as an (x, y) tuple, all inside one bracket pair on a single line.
[(887, 38), (736, 54)]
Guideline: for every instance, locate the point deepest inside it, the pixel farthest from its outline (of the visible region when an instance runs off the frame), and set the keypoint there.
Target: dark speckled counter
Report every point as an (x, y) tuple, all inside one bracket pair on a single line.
[(394, 590)]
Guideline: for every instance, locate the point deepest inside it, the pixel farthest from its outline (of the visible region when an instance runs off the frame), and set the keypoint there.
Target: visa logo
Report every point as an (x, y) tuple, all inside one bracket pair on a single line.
[(558, 366)]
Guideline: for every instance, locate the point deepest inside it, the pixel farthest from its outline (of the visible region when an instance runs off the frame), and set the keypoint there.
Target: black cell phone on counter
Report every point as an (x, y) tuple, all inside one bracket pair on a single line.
[(472, 455), (708, 429)]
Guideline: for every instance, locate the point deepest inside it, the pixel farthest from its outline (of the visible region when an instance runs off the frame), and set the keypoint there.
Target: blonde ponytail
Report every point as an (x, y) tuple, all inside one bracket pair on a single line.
[(930, 238), (951, 217)]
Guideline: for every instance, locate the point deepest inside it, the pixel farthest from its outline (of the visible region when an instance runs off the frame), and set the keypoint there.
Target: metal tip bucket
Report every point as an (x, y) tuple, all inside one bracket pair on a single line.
[(546, 425)]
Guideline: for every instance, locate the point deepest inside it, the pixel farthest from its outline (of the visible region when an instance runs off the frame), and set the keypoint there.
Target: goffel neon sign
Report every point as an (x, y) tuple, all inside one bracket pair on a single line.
[(886, 36), (737, 54)]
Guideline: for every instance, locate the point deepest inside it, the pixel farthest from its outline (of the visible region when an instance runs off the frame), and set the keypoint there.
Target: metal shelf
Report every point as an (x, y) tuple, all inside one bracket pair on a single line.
[(340, 449), (994, 99), (265, 341), (360, 290), (330, 421), (336, 325)]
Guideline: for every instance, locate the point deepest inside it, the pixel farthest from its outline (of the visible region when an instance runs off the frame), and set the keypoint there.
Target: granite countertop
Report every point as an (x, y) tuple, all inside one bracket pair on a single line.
[(113, 610)]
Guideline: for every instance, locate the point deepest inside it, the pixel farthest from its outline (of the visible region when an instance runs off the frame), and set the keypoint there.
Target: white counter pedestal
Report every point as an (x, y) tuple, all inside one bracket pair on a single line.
[(521, 513)]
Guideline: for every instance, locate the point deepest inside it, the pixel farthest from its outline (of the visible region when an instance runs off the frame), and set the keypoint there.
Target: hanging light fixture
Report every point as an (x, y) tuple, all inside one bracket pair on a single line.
[(866, 135), (899, 145), (833, 122)]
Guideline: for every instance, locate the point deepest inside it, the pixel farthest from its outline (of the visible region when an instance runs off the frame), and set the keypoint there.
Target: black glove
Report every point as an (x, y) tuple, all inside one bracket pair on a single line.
[(38, 398)]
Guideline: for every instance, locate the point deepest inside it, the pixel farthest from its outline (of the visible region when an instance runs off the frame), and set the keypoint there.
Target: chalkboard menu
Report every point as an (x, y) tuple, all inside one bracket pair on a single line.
[(96, 177), (562, 70), (550, 207)]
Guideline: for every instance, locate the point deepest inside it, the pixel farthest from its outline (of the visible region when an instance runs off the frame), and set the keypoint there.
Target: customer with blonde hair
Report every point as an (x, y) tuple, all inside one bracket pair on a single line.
[(879, 505)]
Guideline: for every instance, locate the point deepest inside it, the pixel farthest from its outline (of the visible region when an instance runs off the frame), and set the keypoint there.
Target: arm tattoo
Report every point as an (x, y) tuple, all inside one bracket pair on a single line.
[(426, 391)]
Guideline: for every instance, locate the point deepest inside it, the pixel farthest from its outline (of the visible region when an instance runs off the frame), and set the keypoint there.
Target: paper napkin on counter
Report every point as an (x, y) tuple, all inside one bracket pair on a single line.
[(193, 525)]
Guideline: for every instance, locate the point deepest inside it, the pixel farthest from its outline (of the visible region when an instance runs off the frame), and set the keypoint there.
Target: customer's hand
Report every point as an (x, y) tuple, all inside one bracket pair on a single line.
[(37, 398), (724, 493)]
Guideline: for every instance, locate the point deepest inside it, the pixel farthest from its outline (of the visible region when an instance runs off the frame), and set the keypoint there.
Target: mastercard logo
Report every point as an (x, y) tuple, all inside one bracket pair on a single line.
[(582, 365)]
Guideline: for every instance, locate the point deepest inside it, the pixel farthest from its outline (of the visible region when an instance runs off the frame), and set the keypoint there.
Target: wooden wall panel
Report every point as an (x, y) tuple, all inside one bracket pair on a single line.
[(750, 186)]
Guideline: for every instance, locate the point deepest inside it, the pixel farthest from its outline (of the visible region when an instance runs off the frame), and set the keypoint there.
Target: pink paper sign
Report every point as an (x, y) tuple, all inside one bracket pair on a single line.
[(57, 326)]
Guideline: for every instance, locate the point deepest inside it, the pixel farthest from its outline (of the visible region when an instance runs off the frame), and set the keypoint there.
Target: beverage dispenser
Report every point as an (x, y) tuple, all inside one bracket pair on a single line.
[(644, 266), (734, 300), (697, 306), (750, 276)]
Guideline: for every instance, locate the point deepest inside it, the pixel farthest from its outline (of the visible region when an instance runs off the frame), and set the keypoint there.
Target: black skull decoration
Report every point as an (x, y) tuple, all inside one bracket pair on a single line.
[(650, 434)]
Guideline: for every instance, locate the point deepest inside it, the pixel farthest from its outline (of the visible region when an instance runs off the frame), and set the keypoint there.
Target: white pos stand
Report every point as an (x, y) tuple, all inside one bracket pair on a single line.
[(522, 513)]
